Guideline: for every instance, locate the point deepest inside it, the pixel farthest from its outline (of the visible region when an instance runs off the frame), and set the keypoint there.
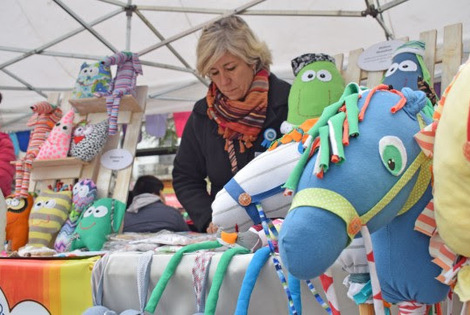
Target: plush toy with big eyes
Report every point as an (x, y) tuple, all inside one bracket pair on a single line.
[(102, 218), (57, 143), (93, 78), (88, 140), (18, 210), (84, 193)]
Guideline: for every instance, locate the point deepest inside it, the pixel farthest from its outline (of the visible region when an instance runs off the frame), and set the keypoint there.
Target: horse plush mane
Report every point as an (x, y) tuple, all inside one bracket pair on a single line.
[(379, 175)]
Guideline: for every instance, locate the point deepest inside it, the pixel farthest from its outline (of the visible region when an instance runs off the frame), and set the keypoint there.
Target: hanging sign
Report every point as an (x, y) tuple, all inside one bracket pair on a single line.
[(379, 56), (116, 159)]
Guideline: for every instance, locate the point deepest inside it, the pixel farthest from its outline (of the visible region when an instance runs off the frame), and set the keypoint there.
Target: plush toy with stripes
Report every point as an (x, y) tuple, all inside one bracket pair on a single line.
[(44, 119), (123, 83)]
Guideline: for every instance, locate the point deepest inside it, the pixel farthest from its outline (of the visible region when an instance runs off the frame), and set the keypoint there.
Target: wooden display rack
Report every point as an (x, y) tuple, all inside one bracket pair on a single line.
[(110, 183)]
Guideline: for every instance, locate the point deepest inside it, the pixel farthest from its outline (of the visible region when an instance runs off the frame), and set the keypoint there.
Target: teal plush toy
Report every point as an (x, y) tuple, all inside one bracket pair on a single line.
[(317, 84), (102, 218)]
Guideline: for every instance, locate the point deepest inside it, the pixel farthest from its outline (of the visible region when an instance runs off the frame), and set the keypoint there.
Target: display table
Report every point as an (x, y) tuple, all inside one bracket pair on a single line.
[(268, 297), (45, 286)]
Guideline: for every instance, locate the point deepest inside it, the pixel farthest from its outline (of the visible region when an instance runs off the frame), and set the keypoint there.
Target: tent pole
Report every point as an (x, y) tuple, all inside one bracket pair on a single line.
[(129, 10)]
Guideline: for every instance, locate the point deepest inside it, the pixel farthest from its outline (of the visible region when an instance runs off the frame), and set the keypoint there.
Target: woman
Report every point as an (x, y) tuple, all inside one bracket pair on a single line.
[(226, 128), (147, 212)]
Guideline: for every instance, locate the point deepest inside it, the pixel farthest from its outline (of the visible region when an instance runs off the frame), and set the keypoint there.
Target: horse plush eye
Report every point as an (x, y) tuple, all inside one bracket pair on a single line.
[(392, 69), (393, 154), (308, 75), (408, 65), (100, 211), (89, 212)]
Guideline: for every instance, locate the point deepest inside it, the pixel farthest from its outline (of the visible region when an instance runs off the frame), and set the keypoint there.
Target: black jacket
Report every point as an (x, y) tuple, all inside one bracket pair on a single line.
[(201, 154)]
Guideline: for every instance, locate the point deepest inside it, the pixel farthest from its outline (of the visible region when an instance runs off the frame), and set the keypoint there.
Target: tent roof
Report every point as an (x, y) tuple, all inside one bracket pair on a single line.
[(44, 42)]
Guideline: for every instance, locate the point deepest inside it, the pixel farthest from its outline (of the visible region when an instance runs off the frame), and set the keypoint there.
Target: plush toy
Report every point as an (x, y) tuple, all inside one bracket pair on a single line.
[(383, 184), (102, 218), (123, 83), (44, 119), (84, 192), (18, 210), (262, 180), (409, 70), (317, 84), (447, 218), (57, 144), (49, 212), (92, 78), (88, 140)]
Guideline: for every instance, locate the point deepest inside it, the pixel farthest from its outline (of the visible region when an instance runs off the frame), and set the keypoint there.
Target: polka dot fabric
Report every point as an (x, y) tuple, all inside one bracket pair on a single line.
[(57, 143)]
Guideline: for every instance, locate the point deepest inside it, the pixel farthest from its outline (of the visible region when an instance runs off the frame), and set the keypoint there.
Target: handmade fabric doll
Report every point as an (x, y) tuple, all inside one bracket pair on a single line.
[(18, 210), (123, 83), (88, 140), (57, 143), (447, 217), (317, 84), (99, 220), (84, 192), (409, 70), (44, 119), (49, 212), (92, 78)]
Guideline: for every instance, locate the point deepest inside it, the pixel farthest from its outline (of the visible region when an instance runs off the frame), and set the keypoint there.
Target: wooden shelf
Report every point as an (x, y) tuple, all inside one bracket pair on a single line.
[(98, 104), (69, 167), (68, 161)]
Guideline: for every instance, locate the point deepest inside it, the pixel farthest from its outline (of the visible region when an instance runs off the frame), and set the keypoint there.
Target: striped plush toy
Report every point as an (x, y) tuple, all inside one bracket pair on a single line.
[(124, 82), (44, 118)]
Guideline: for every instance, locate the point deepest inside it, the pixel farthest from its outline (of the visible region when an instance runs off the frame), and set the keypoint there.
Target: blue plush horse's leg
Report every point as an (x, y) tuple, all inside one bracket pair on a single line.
[(259, 259), (294, 288)]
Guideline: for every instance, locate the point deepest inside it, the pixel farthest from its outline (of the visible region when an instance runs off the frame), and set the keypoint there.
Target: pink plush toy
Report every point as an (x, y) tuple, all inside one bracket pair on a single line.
[(44, 118), (57, 143)]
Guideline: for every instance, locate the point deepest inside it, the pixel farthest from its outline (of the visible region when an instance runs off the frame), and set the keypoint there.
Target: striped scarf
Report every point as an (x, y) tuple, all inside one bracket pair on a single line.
[(240, 120)]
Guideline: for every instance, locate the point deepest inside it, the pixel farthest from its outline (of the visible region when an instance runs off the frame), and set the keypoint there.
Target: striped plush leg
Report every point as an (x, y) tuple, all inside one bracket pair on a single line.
[(113, 117), (18, 178), (28, 165), (412, 308)]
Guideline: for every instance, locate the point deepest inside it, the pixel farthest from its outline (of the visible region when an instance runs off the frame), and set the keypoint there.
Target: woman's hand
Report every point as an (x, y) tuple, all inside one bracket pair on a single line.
[(212, 228)]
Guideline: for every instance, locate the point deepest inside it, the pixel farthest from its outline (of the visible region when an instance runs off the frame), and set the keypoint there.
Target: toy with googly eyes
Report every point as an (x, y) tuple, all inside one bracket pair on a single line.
[(18, 210), (84, 193), (409, 70), (57, 144), (102, 218), (49, 212), (88, 140), (317, 84)]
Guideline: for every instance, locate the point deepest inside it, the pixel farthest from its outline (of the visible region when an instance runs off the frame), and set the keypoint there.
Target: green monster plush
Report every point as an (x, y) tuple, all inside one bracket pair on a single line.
[(102, 218), (317, 84)]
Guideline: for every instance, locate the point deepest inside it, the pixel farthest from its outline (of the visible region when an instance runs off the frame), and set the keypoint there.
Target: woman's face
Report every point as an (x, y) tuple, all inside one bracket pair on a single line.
[(232, 76)]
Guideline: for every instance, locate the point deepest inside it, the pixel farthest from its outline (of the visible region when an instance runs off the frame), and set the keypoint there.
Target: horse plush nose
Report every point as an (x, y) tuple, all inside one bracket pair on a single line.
[(310, 241)]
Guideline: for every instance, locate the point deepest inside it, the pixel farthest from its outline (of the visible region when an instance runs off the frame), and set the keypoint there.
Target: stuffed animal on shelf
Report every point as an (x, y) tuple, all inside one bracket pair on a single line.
[(447, 217), (408, 69), (57, 144), (44, 119), (123, 83), (84, 192), (49, 212), (88, 140), (99, 220), (18, 210), (317, 84), (92, 78), (382, 185)]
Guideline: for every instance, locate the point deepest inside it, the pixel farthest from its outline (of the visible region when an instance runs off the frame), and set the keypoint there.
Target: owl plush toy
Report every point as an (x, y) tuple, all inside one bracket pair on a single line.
[(18, 210), (102, 218), (93, 77), (84, 193), (88, 140), (57, 143)]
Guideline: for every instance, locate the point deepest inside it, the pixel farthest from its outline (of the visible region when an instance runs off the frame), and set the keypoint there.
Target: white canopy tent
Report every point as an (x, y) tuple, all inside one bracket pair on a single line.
[(44, 42)]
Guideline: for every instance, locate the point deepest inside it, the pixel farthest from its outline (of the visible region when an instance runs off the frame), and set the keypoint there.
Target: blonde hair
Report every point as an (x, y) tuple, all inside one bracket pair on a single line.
[(232, 35)]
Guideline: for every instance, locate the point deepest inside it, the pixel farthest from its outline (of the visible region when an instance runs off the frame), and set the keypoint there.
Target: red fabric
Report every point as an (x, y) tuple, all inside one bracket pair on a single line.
[(7, 170), (180, 119)]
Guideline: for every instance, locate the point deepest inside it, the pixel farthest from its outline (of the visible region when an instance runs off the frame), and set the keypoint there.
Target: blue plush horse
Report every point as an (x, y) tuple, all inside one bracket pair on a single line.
[(380, 179)]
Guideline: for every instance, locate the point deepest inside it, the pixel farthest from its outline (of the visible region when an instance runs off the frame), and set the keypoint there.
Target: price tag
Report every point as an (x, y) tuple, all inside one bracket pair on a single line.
[(379, 56), (116, 159)]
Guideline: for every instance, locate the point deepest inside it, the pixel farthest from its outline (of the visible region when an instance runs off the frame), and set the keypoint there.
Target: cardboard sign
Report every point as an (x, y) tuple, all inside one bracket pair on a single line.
[(379, 56), (116, 159)]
